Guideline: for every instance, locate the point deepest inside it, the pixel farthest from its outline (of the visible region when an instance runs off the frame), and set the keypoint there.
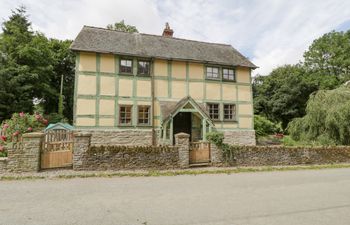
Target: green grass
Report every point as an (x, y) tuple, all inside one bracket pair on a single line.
[(158, 173)]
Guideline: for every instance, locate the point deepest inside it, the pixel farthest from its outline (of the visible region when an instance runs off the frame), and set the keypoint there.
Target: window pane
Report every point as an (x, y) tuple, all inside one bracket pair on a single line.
[(229, 111), (143, 67), (213, 111), (125, 114), (143, 114), (228, 74), (212, 72), (125, 66)]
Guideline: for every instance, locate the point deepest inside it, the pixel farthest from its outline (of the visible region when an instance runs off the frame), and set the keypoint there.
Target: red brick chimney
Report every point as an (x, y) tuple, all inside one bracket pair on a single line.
[(167, 32)]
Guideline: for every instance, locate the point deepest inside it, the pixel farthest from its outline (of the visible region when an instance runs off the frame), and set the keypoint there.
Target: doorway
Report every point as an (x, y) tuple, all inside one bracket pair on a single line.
[(182, 123)]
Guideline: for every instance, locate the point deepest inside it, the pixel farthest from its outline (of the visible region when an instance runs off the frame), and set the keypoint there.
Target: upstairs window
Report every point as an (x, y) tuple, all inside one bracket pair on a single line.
[(228, 74), (214, 111), (229, 112), (126, 66), (143, 68), (143, 115), (213, 73), (125, 114)]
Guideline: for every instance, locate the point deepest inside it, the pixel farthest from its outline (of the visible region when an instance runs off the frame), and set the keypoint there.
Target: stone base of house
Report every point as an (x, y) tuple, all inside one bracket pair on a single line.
[(120, 137), (240, 137)]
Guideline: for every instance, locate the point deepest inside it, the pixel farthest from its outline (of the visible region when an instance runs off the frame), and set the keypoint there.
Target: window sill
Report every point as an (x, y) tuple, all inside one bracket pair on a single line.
[(232, 81), (126, 74), (230, 121), (144, 75)]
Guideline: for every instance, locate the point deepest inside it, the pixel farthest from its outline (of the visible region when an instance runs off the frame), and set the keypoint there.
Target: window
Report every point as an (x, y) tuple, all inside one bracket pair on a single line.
[(228, 74), (143, 115), (125, 115), (213, 111), (143, 68), (229, 111), (212, 72), (125, 66)]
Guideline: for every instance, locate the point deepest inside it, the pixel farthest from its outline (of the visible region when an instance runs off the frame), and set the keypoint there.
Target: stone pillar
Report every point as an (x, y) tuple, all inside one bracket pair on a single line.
[(25, 156), (182, 141), (81, 145)]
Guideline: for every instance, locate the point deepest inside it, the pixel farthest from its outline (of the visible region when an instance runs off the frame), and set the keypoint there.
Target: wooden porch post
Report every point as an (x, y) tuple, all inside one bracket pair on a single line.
[(204, 129), (171, 131), (164, 131)]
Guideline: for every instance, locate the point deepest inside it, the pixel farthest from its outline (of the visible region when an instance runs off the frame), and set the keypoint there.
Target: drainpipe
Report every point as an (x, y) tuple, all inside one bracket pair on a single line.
[(152, 96)]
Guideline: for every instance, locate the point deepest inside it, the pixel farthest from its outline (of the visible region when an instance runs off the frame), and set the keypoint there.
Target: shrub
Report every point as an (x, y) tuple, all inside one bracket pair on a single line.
[(20, 123), (228, 151), (264, 127)]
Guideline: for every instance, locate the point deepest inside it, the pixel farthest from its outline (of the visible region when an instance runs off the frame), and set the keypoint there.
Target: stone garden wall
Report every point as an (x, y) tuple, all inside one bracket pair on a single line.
[(88, 156), (284, 156)]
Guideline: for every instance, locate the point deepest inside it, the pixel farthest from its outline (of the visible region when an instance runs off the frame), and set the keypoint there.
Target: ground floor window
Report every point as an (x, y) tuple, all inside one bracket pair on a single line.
[(125, 114), (213, 109), (144, 115), (229, 111)]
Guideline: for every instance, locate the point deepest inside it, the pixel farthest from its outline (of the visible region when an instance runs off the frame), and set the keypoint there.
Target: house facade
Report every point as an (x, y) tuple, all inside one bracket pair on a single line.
[(140, 89)]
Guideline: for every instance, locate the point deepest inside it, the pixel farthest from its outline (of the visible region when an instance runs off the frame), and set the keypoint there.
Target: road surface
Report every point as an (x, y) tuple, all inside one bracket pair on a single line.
[(290, 197)]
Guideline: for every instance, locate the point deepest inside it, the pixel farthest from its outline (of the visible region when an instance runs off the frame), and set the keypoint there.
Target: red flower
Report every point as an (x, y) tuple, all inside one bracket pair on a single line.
[(6, 126), (30, 129), (4, 138), (45, 121), (21, 114), (16, 133)]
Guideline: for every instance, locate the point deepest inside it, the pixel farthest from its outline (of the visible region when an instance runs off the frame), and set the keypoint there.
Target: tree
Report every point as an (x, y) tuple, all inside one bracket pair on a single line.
[(283, 94), (327, 119), (121, 26), (25, 68)]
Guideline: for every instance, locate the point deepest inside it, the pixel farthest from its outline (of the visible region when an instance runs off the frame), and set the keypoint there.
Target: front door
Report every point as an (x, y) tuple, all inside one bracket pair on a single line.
[(182, 122)]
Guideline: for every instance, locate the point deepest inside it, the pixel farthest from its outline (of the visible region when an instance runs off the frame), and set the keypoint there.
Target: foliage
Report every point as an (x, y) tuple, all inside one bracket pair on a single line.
[(29, 67), (264, 127), (283, 94), (121, 26), (55, 118), (20, 123), (215, 137), (228, 151), (327, 119)]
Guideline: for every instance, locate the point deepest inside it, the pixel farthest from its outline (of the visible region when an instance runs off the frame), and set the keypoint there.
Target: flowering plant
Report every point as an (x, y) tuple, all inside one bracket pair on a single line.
[(20, 123)]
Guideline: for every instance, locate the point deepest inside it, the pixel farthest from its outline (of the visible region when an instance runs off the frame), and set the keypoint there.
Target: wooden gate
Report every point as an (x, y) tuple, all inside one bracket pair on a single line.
[(199, 152), (57, 149)]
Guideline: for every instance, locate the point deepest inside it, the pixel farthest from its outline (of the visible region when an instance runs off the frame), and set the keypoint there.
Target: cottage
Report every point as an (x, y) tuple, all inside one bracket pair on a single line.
[(142, 89)]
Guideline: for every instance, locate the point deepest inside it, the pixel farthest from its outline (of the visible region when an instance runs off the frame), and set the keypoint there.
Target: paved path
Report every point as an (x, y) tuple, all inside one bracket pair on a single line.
[(294, 197)]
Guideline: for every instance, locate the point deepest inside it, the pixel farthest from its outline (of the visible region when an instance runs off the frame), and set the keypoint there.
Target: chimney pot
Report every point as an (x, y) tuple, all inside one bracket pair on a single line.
[(167, 31)]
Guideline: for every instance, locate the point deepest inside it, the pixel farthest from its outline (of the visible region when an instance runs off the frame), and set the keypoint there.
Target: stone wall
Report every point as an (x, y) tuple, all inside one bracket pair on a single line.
[(120, 137), (23, 156), (117, 157), (283, 156), (240, 137)]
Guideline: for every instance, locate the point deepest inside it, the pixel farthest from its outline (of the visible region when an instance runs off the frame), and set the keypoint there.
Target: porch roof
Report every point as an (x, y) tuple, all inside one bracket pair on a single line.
[(170, 108)]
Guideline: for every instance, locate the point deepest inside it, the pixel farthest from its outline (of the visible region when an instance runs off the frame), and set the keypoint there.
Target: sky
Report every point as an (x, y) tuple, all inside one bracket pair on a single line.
[(270, 33)]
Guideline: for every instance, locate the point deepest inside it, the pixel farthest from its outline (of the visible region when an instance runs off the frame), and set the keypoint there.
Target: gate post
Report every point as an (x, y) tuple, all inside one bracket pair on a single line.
[(80, 147), (182, 141)]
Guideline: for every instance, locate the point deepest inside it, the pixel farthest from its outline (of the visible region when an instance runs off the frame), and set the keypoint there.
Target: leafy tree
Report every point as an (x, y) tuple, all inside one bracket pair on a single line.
[(25, 65), (283, 94), (327, 118), (121, 26), (264, 127)]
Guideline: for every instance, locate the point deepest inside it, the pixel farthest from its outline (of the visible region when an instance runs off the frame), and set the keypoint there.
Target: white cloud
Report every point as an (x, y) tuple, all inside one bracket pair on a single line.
[(269, 32)]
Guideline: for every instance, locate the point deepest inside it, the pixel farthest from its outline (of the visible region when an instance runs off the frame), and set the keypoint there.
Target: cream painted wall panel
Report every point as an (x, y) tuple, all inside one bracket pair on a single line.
[(179, 69), (178, 89), (196, 71), (107, 86), (86, 106), (86, 85), (245, 122), (87, 62), (85, 122), (125, 102), (229, 92), (242, 75), (156, 108), (244, 93), (156, 122), (160, 67), (196, 90), (125, 87), (106, 107), (107, 63), (246, 109), (213, 91), (230, 125), (143, 88), (161, 88), (106, 122)]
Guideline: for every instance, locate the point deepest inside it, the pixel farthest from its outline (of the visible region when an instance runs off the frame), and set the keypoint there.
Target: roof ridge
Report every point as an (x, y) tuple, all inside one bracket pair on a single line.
[(154, 35)]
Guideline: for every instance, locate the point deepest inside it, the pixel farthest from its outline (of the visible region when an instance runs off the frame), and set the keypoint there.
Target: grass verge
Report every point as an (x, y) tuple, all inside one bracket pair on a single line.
[(157, 173)]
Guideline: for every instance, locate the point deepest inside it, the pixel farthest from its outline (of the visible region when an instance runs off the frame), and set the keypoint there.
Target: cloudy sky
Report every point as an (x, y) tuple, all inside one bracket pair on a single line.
[(269, 32)]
